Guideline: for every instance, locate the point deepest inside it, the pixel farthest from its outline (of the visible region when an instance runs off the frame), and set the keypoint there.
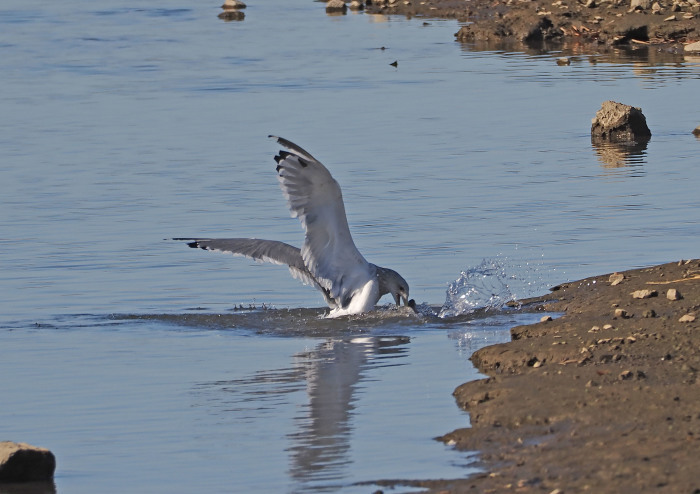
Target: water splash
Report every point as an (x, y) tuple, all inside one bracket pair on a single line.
[(490, 286)]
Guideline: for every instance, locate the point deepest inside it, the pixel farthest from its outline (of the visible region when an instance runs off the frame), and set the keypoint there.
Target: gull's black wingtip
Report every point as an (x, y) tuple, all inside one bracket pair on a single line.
[(192, 243)]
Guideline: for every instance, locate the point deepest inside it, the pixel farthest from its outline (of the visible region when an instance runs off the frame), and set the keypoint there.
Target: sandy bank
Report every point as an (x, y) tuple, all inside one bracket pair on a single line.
[(605, 398)]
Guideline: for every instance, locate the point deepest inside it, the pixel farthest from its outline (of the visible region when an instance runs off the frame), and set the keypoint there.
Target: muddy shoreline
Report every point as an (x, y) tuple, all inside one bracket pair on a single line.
[(583, 25), (605, 398)]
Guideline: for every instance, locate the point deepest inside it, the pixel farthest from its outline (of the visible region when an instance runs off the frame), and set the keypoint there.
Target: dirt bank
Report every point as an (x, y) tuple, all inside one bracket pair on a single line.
[(605, 398), (586, 22)]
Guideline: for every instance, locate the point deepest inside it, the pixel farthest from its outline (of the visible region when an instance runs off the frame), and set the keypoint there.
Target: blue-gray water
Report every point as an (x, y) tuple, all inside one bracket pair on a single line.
[(127, 124)]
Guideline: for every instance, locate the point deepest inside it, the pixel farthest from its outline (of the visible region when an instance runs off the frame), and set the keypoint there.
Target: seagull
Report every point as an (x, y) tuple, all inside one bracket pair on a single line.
[(328, 259)]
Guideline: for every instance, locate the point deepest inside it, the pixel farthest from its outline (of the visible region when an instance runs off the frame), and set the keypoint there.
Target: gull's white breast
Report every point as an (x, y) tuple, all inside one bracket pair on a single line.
[(362, 300)]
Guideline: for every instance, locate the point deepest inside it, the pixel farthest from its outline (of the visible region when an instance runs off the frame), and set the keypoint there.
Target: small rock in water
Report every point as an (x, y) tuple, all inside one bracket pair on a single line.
[(687, 318), (233, 4), (357, 5), (616, 279), (696, 130), (563, 61), (336, 7), (673, 294), (644, 293), (617, 122), (21, 462), (546, 318)]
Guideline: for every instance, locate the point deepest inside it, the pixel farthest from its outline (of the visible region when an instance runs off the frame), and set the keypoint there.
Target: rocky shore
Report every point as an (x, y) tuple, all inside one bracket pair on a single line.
[(605, 398), (588, 23)]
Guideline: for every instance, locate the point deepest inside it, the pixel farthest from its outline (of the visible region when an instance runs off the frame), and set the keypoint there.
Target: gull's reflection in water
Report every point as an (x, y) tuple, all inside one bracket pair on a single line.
[(333, 371), (330, 374)]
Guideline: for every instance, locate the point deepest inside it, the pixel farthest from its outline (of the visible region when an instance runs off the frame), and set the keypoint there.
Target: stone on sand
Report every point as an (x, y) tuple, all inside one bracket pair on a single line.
[(673, 294)]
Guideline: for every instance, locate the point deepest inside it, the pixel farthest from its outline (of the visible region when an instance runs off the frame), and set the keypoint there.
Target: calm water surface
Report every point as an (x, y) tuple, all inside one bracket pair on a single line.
[(127, 124)]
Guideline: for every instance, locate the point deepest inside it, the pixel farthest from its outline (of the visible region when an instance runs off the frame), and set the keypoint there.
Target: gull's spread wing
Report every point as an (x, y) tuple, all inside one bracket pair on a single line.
[(313, 196), (260, 250)]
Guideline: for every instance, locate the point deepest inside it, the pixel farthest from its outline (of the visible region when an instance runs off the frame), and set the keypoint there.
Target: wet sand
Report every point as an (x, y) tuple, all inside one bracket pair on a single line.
[(584, 25), (604, 398)]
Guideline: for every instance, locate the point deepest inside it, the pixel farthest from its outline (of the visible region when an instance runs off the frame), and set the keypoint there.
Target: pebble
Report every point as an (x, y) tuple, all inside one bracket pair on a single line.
[(648, 314), (608, 326), (563, 61), (627, 374), (616, 279), (673, 294), (546, 318), (622, 313), (670, 18), (644, 294), (687, 318)]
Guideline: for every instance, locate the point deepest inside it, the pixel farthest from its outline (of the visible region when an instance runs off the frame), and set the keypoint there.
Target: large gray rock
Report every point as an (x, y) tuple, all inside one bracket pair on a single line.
[(20, 462), (616, 122)]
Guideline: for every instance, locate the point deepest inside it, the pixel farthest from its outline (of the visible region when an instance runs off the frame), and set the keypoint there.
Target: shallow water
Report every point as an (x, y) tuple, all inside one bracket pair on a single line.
[(124, 125)]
